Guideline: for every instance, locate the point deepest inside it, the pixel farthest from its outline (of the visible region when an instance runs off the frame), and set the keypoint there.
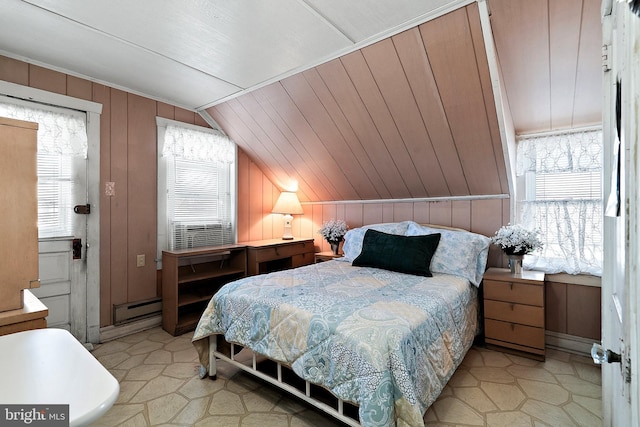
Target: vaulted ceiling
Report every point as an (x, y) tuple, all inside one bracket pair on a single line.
[(354, 100)]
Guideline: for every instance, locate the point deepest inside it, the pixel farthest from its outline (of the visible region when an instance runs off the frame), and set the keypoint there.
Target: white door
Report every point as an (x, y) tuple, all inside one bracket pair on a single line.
[(63, 262), (619, 298)]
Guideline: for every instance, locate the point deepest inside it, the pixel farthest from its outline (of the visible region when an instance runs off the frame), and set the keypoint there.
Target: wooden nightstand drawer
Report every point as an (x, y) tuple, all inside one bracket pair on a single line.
[(508, 332), (327, 256), (514, 292), (516, 313), (286, 250), (302, 259)]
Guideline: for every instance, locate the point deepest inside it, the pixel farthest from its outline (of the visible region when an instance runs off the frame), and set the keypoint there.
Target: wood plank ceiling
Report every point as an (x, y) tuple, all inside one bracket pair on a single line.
[(410, 116), (550, 55), (413, 115)]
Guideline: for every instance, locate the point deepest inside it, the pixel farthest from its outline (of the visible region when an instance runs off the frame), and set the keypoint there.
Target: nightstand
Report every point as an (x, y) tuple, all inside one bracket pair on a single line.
[(265, 256), (514, 313), (327, 256)]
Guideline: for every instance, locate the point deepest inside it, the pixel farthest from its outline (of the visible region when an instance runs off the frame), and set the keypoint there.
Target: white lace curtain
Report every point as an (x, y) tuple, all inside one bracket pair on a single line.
[(562, 176), (58, 132), (191, 144)]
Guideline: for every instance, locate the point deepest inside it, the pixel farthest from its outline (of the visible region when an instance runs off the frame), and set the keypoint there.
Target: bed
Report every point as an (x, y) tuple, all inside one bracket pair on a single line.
[(374, 329)]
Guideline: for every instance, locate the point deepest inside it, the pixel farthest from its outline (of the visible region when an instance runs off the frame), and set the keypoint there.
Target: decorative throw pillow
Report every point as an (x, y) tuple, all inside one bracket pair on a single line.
[(460, 253), (354, 237), (405, 254)]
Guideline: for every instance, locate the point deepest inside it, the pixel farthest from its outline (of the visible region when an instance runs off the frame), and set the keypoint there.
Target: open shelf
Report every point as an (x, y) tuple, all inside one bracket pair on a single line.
[(191, 277)]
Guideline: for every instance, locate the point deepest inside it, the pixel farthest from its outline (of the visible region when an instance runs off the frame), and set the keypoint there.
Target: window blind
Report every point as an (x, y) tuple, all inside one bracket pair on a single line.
[(198, 201), (55, 195), (569, 186)]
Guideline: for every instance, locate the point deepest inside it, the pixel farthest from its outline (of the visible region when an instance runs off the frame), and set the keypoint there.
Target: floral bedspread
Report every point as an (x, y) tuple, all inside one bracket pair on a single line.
[(384, 340)]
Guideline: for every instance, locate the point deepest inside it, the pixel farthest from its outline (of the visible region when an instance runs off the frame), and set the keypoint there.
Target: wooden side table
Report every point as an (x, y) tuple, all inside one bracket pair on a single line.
[(265, 256), (327, 256), (514, 313)]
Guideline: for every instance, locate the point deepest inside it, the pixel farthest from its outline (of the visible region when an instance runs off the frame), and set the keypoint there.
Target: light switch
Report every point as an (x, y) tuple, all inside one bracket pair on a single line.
[(140, 261)]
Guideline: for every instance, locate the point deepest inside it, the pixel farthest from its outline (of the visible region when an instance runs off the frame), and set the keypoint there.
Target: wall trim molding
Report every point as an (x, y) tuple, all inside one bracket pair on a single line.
[(29, 93), (111, 332), (410, 200), (569, 343)]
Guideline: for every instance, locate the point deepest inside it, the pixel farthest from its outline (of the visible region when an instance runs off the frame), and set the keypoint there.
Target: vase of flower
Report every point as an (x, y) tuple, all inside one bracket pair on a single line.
[(516, 241), (333, 231), (515, 263)]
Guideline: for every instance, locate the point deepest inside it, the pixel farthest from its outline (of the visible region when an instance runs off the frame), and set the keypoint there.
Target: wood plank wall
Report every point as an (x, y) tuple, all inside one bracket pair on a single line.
[(128, 220), (128, 158), (257, 195)]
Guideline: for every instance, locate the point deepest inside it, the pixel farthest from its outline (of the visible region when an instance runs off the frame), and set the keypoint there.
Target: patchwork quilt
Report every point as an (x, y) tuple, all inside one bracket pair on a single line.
[(387, 341)]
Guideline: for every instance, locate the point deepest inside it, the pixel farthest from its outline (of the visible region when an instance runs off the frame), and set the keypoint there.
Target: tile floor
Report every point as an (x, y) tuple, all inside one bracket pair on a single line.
[(159, 386)]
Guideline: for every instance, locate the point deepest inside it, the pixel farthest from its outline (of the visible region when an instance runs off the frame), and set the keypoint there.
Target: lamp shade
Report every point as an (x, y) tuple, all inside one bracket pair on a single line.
[(288, 203)]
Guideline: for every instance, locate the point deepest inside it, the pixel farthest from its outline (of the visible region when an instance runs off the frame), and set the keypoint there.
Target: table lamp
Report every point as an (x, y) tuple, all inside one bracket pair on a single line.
[(288, 205)]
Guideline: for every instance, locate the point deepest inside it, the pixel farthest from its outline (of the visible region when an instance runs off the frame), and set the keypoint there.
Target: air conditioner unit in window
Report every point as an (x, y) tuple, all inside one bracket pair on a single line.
[(187, 236)]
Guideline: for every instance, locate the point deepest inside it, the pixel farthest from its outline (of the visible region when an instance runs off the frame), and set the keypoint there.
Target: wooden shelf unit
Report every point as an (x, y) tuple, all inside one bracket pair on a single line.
[(514, 312), (190, 277)]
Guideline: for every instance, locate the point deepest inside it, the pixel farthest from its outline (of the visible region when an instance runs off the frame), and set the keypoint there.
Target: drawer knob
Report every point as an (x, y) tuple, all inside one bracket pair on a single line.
[(512, 306), (513, 327)]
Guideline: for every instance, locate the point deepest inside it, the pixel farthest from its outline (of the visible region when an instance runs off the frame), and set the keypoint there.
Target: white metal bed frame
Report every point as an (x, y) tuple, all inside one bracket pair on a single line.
[(278, 381)]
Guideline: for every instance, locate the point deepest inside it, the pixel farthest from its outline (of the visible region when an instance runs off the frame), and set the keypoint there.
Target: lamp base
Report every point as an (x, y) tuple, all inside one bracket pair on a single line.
[(287, 227)]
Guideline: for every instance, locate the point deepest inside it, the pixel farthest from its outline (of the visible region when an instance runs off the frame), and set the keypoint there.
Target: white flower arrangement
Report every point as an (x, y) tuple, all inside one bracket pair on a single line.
[(517, 240), (333, 230)]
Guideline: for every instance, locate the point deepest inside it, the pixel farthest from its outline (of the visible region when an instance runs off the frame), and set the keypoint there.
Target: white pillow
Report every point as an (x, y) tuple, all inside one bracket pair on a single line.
[(353, 239), (460, 253)]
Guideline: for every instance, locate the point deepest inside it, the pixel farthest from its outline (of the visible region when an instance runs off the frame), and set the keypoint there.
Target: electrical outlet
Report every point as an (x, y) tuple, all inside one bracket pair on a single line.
[(140, 261)]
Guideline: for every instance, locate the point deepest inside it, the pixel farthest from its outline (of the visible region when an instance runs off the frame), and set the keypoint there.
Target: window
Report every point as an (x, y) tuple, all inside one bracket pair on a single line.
[(61, 154), (559, 179), (196, 187)]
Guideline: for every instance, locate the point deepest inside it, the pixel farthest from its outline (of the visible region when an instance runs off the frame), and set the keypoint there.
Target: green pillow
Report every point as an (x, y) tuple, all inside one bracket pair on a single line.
[(405, 254)]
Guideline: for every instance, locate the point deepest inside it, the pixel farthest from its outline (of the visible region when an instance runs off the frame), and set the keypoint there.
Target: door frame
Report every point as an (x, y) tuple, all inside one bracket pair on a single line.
[(633, 190), (621, 34), (92, 245)]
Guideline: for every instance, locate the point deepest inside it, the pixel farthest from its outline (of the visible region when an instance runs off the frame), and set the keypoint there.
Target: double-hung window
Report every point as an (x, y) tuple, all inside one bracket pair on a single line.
[(559, 186), (196, 186)]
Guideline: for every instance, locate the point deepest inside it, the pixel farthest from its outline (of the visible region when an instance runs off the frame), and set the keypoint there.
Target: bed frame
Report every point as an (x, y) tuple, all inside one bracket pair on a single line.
[(281, 376)]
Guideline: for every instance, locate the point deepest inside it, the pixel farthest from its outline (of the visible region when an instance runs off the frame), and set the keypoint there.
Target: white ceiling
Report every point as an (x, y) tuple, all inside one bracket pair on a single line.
[(197, 53)]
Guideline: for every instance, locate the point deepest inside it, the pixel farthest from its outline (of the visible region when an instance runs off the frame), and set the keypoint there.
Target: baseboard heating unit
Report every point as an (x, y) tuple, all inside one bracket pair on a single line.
[(136, 310)]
